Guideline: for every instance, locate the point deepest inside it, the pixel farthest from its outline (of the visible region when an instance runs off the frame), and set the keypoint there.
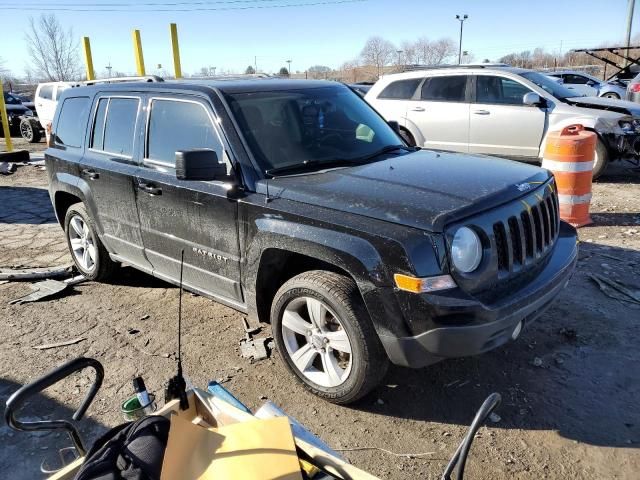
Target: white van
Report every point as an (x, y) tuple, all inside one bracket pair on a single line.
[(46, 99)]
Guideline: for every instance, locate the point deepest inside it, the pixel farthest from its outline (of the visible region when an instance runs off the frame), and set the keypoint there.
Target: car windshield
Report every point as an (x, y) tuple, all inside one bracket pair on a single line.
[(549, 85), (11, 100), (309, 127)]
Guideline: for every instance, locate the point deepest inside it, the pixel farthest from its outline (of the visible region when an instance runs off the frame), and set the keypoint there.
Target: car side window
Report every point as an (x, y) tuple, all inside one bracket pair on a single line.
[(445, 88), (499, 90), (179, 125), (573, 79), (46, 92), (119, 126), (400, 89), (72, 122)]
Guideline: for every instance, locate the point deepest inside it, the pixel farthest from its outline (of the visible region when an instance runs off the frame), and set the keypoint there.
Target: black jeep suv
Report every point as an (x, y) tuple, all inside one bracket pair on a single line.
[(297, 204)]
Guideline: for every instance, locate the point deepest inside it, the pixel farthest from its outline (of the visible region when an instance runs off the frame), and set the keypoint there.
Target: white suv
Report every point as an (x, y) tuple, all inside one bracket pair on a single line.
[(501, 110)]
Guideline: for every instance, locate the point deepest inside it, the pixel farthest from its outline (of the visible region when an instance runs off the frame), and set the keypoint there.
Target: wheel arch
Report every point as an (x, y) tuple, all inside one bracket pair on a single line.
[(62, 200)]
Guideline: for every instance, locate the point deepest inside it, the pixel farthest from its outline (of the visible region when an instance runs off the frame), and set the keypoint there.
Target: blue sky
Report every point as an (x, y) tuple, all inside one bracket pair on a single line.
[(327, 34)]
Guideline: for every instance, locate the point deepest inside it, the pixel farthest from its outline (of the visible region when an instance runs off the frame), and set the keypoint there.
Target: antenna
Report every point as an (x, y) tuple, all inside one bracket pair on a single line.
[(177, 387), (267, 199)]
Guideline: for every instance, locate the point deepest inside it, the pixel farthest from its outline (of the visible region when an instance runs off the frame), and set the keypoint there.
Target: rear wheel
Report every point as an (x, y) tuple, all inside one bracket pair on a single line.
[(325, 336), (611, 95), (87, 251), (600, 159)]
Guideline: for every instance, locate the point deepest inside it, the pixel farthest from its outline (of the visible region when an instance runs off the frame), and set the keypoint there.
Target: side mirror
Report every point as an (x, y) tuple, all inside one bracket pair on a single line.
[(533, 99), (591, 83), (395, 126), (200, 164)]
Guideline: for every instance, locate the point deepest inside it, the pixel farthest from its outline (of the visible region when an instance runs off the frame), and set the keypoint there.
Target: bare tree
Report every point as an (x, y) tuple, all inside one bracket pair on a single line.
[(4, 71), (440, 51), (409, 53), (319, 71), (378, 52), (52, 49)]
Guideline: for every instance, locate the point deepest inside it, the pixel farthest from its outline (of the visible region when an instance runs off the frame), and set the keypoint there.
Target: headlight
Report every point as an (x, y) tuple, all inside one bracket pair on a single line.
[(466, 250), (626, 125), (28, 113)]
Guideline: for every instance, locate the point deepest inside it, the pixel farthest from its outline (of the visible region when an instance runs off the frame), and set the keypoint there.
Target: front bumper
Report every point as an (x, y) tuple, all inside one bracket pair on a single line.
[(486, 326)]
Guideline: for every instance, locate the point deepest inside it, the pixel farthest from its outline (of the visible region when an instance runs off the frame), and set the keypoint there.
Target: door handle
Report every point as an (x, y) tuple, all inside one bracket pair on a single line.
[(150, 188), (417, 109), (92, 174), (482, 112)]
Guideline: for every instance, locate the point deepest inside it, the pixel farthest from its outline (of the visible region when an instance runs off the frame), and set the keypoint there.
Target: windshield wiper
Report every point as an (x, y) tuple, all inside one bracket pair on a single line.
[(382, 151), (309, 165), (336, 162)]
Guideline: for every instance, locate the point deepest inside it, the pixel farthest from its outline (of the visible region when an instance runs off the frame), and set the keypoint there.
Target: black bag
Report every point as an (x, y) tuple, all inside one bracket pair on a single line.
[(131, 451)]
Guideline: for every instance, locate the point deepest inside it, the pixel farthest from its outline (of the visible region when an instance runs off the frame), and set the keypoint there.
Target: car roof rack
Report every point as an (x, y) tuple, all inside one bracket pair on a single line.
[(410, 68), (142, 78)]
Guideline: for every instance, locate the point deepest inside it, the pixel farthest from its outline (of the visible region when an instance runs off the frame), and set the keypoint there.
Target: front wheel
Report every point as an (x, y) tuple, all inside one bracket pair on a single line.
[(600, 160), (29, 131), (325, 336), (87, 251)]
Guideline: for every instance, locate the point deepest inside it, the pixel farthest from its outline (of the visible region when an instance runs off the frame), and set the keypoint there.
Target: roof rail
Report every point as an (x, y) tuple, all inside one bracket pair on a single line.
[(143, 78), (410, 68)]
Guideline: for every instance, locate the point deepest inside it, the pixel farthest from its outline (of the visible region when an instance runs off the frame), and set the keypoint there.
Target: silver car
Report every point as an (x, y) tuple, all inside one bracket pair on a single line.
[(585, 84), (502, 111)]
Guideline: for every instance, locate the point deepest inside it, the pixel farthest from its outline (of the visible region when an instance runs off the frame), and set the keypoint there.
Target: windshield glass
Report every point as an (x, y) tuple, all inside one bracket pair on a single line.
[(10, 99), (548, 85), (309, 126)]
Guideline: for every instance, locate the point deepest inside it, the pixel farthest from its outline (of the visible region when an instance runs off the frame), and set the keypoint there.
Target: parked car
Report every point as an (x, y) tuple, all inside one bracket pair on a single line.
[(46, 100), (502, 111), (17, 115), (26, 100), (585, 84), (633, 90), (295, 203)]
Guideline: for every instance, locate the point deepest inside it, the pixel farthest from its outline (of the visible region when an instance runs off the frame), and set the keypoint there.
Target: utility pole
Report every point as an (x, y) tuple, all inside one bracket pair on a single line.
[(255, 63), (630, 6), (289, 62), (461, 19), (399, 52), (109, 67)]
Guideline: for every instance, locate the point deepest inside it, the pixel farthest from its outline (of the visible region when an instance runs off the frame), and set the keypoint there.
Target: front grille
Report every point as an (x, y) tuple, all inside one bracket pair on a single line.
[(522, 239)]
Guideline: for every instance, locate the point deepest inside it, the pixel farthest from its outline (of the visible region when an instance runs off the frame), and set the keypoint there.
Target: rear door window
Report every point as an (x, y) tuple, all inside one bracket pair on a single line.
[(401, 89), (72, 122), (179, 125), (445, 88), (120, 126)]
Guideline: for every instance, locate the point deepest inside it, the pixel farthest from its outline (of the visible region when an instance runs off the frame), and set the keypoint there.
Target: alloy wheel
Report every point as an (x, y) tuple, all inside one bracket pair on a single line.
[(316, 342), (82, 243), (26, 131)]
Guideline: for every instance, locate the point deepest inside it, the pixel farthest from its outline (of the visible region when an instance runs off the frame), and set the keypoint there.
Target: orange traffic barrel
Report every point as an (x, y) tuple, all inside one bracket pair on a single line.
[(569, 154)]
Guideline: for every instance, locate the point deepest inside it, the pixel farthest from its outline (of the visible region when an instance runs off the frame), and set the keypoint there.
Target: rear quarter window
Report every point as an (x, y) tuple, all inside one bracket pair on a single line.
[(46, 92), (400, 89), (72, 121)]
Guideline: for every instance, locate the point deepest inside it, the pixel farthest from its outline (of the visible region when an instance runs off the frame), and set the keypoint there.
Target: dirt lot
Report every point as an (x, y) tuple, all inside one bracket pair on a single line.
[(571, 394)]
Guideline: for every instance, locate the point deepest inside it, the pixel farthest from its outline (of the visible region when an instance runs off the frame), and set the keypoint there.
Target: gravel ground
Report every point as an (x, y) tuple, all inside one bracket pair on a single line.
[(571, 396)]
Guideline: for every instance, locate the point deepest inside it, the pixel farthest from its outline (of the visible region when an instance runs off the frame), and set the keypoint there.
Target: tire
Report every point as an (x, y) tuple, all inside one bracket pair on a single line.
[(29, 131), (346, 322), (407, 137), (96, 266), (611, 95), (601, 160)]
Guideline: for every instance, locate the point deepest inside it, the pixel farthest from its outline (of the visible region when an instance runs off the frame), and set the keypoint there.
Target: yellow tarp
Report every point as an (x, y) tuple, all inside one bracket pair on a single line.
[(253, 450)]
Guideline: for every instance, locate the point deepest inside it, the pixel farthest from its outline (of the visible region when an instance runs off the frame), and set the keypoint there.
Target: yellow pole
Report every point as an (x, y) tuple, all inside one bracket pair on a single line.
[(5, 120), (137, 48), (88, 59), (176, 50)]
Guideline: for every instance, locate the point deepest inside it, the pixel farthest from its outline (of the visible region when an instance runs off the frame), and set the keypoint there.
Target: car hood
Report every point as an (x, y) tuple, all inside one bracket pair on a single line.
[(424, 189), (609, 104), (16, 109)]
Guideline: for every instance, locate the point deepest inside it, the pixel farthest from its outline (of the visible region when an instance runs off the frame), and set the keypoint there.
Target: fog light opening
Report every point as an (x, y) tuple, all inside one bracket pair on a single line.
[(517, 330)]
